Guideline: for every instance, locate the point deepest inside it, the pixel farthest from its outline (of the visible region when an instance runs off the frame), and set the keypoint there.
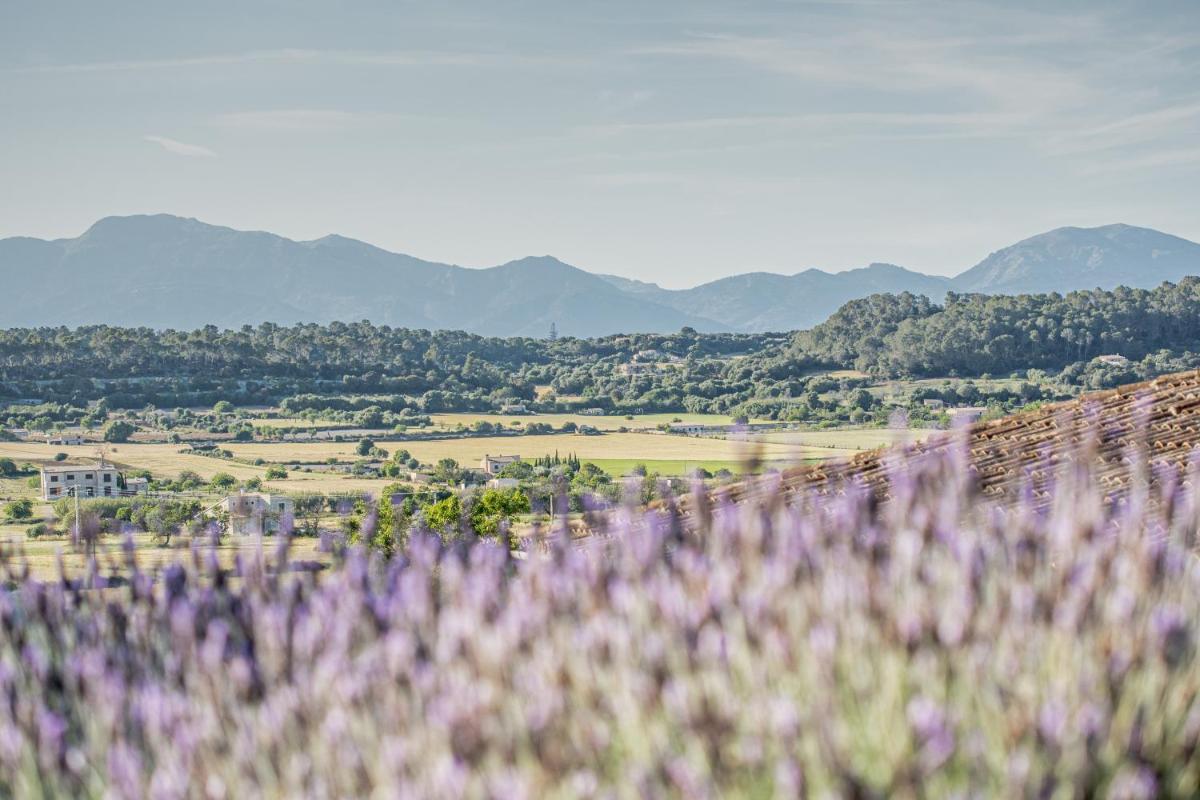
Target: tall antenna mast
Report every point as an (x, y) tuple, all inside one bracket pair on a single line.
[(553, 332)]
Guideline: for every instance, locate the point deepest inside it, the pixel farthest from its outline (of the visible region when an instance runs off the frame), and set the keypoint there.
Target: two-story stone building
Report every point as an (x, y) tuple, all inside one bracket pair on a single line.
[(87, 481)]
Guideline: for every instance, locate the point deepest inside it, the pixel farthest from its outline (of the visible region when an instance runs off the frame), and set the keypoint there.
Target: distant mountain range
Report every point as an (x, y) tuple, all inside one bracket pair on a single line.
[(163, 271)]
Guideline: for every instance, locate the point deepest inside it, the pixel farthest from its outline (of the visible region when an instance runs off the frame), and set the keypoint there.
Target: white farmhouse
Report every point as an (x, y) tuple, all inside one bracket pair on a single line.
[(256, 513)]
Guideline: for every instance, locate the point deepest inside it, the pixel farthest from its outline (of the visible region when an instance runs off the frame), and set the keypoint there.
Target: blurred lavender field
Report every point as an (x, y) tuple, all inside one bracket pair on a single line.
[(934, 645)]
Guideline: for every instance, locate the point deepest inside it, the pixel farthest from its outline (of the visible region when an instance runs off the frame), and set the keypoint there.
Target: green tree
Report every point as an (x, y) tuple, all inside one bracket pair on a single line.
[(276, 473), (223, 407), (223, 481), (494, 507), (364, 448), (389, 522), (118, 431), (447, 471), (444, 514)]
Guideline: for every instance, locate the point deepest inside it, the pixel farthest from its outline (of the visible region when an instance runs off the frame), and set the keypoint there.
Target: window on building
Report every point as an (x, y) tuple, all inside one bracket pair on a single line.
[(54, 479), (108, 477), (71, 477), (90, 477)]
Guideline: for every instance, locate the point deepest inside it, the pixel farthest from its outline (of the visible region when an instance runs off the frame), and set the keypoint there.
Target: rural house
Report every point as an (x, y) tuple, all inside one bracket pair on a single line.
[(255, 513), (492, 465), (66, 439), (86, 481)]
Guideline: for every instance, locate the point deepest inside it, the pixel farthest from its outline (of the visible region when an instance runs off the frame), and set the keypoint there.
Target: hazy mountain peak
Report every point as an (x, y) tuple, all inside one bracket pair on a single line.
[(168, 271), (1083, 258)]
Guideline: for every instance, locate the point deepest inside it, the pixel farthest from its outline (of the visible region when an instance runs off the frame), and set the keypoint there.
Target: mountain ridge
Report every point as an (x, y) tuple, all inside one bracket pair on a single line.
[(160, 270)]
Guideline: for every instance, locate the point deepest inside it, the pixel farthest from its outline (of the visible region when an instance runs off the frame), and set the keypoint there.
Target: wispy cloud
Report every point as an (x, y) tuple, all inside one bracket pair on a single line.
[(917, 62), (180, 148), (302, 119), (280, 56), (1134, 129), (1175, 157), (875, 120)]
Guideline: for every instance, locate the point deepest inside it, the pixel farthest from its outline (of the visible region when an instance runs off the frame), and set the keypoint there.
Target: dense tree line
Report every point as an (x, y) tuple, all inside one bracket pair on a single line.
[(363, 373), (901, 335), (414, 370)]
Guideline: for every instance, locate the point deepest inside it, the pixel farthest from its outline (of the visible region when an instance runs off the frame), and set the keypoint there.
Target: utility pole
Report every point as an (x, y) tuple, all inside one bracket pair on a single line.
[(75, 491)]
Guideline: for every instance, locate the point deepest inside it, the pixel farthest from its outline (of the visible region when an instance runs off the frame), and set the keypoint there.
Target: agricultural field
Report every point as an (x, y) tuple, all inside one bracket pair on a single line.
[(159, 459), (43, 555), (616, 453), (469, 451), (842, 441), (604, 423)]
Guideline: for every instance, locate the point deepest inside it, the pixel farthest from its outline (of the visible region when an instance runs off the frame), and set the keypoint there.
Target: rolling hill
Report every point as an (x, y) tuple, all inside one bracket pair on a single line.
[(164, 271)]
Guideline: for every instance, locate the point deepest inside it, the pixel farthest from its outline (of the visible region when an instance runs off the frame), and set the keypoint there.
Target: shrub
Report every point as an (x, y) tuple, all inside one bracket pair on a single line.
[(40, 530), (19, 509), (276, 473), (60, 456)]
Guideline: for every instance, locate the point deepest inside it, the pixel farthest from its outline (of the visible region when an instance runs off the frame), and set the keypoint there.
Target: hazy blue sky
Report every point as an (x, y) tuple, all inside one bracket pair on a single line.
[(668, 141)]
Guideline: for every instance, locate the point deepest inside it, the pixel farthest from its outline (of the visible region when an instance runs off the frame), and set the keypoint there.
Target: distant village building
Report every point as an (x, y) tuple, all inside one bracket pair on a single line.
[(137, 486), (962, 414), (419, 477), (934, 404), (85, 481), (492, 465), (255, 514), (592, 412), (65, 440), (1113, 360), (514, 408), (688, 428), (503, 483)]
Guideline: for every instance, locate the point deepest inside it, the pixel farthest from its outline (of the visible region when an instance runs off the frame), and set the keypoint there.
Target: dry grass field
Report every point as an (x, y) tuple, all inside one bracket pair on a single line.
[(604, 423), (843, 441), (469, 451), (160, 459), (42, 555), (615, 452)]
